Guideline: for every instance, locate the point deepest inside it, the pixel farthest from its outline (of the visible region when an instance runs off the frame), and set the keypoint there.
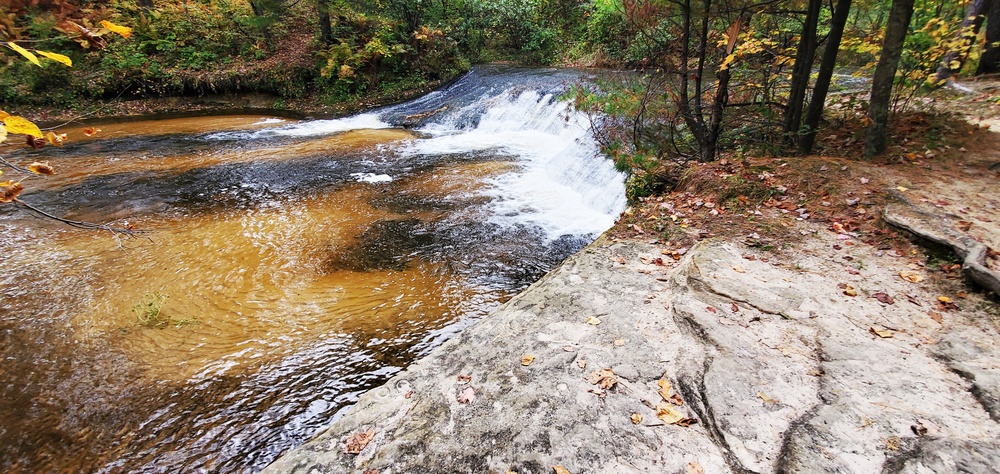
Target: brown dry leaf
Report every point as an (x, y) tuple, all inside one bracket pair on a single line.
[(527, 359), (464, 379), (911, 276), (36, 143), (676, 400), (936, 316), (738, 269), (91, 131), (850, 291), (603, 378), (710, 309), (559, 469), (593, 321), (883, 297), (636, 418), (357, 441), (11, 191), (883, 333), (467, 395), (963, 226), (664, 388), (734, 308), (42, 168)]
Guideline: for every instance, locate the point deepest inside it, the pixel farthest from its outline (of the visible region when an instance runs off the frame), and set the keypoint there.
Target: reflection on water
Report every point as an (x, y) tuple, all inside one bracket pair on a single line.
[(291, 283)]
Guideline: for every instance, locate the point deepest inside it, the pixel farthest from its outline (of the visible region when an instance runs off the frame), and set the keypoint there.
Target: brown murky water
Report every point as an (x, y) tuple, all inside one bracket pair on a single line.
[(295, 265)]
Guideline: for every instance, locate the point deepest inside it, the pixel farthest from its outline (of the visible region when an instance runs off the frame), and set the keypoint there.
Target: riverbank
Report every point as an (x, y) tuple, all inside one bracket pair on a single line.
[(718, 330)]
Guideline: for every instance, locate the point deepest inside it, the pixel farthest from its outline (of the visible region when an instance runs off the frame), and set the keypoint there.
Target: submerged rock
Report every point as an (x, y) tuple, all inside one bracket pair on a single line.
[(721, 363)]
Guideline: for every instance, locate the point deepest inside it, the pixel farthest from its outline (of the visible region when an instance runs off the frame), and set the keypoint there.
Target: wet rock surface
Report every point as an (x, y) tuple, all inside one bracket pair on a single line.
[(774, 367)]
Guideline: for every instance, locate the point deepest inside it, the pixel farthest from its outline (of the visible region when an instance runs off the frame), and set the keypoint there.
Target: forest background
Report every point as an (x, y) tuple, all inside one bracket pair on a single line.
[(703, 77)]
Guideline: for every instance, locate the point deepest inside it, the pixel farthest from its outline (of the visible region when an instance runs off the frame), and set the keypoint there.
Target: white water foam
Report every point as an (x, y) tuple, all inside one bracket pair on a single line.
[(371, 178), (311, 128), (563, 185)]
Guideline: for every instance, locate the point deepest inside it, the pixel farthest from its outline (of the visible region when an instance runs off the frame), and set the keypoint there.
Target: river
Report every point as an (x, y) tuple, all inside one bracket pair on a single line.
[(294, 263)]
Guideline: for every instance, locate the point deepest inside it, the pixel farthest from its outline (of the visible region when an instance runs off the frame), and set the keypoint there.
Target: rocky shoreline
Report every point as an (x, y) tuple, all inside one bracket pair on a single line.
[(730, 359)]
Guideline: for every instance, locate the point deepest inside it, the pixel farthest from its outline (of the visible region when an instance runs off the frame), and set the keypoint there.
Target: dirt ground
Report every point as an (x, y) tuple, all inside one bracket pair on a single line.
[(944, 159)]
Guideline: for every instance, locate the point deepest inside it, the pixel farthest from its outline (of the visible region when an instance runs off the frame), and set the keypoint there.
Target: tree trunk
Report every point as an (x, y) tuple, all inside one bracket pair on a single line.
[(258, 9), (325, 31), (885, 74), (971, 24), (989, 62), (801, 71), (815, 111)]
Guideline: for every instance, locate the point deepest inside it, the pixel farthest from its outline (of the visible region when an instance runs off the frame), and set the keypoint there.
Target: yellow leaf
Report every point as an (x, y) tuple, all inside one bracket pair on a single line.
[(24, 52), (738, 269), (911, 276), (944, 299), (902, 189), (42, 168), (850, 291), (21, 125), (636, 418), (527, 359), (11, 191), (122, 30), (883, 333), (3, 115), (664, 388), (559, 469), (55, 139), (593, 321), (667, 413), (3, 133), (56, 57), (91, 131)]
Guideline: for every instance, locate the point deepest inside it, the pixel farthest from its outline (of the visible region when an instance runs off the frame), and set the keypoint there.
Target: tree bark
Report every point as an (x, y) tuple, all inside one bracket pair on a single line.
[(815, 111), (989, 62), (885, 74), (971, 24), (801, 71), (325, 31)]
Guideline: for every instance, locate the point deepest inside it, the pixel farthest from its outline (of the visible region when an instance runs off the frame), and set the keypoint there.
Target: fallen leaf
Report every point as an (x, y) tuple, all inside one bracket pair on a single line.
[(593, 321), (91, 131), (850, 291), (581, 363), (767, 399), (738, 269), (883, 333), (569, 348), (911, 276), (963, 226), (902, 189), (559, 469), (664, 388), (603, 378), (619, 342), (464, 379), (735, 308), (695, 468), (357, 441), (671, 416), (636, 418), (10, 191), (944, 299), (961, 294), (884, 298), (467, 395), (676, 400), (711, 309), (527, 359)]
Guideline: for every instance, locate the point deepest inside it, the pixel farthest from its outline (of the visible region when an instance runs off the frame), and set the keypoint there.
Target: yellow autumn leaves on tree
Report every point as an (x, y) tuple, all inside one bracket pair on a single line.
[(12, 124), (30, 55)]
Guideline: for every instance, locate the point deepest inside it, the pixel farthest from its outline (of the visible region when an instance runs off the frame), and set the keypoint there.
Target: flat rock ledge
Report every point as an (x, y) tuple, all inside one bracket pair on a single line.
[(779, 369)]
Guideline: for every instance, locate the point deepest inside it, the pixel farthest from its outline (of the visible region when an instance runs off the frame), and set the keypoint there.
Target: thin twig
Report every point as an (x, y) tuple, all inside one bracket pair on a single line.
[(15, 167), (83, 224)]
